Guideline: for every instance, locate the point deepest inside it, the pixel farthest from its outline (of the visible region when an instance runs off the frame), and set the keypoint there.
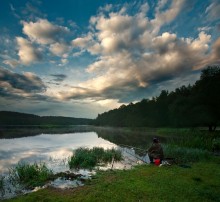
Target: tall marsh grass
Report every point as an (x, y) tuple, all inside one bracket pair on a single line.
[(191, 138), (89, 158), (30, 175), (184, 154), (189, 145)]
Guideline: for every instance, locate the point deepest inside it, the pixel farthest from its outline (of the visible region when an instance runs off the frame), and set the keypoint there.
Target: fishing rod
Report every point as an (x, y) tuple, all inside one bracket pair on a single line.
[(123, 145), (139, 158), (131, 147)]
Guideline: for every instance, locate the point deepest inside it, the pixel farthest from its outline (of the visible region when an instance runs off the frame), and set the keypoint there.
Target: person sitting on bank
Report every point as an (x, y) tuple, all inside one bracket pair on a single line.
[(155, 151)]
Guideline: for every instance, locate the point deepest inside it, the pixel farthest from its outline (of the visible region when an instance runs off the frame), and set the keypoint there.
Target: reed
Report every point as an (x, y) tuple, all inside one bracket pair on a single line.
[(30, 175), (191, 138), (89, 158), (185, 154)]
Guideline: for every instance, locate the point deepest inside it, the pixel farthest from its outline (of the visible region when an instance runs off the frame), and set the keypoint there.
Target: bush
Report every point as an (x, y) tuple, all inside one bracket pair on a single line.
[(89, 158), (30, 175)]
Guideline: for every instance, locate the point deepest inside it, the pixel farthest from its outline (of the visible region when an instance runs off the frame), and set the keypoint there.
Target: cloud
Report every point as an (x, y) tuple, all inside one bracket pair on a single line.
[(59, 77), (27, 52), (214, 57), (31, 11), (11, 63), (206, 28), (82, 42), (44, 32), (12, 7), (133, 54), (164, 16), (59, 49), (118, 31), (24, 85), (213, 10)]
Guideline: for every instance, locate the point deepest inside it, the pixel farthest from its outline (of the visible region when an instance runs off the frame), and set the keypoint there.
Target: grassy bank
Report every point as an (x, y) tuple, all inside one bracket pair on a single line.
[(195, 177), (190, 145), (198, 182), (190, 138)]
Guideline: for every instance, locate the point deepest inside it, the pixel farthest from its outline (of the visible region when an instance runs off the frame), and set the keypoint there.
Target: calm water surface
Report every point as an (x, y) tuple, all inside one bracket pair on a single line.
[(54, 150)]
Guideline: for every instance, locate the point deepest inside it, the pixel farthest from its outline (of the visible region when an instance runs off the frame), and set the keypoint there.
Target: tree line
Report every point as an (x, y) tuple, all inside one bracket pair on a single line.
[(16, 118), (188, 106)]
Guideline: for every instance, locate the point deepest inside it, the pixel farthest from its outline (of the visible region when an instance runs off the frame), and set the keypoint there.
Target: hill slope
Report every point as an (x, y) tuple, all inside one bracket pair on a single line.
[(17, 118)]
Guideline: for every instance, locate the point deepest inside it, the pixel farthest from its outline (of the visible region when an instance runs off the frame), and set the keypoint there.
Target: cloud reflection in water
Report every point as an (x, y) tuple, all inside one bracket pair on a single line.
[(46, 148)]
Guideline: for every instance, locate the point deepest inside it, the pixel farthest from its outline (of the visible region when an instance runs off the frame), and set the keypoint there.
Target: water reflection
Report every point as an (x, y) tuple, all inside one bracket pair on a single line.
[(46, 147), (55, 149), (140, 140)]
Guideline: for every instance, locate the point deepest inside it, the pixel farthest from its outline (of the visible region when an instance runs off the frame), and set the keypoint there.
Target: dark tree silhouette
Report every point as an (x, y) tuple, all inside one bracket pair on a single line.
[(187, 106), (207, 97)]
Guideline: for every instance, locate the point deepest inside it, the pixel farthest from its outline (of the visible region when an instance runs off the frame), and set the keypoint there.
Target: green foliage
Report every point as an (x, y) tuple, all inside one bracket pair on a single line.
[(143, 183), (184, 154), (190, 138), (16, 118), (89, 158), (188, 145), (30, 175), (187, 106)]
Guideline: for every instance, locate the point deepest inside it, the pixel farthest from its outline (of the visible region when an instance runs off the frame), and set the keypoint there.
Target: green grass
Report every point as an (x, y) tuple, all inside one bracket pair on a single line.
[(191, 138), (89, 158), (201, 182), (189, 145), (30, 175), (184, 154), (197, 179)]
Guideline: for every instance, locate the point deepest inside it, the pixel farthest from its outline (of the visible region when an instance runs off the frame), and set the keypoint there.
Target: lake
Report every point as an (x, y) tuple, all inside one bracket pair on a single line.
[(55, 149), (47, 148)]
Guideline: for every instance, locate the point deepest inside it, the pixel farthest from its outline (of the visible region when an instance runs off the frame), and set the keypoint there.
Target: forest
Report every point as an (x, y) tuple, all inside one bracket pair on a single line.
[(16, 118), (195, 105)]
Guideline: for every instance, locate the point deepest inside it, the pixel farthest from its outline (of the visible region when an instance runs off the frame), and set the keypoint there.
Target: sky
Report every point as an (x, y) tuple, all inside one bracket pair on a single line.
[(80, 58)]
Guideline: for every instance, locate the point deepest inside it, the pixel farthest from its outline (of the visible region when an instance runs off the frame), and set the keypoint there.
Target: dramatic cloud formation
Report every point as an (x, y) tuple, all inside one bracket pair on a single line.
[(132, 54), (20, 85), (103, 55)]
